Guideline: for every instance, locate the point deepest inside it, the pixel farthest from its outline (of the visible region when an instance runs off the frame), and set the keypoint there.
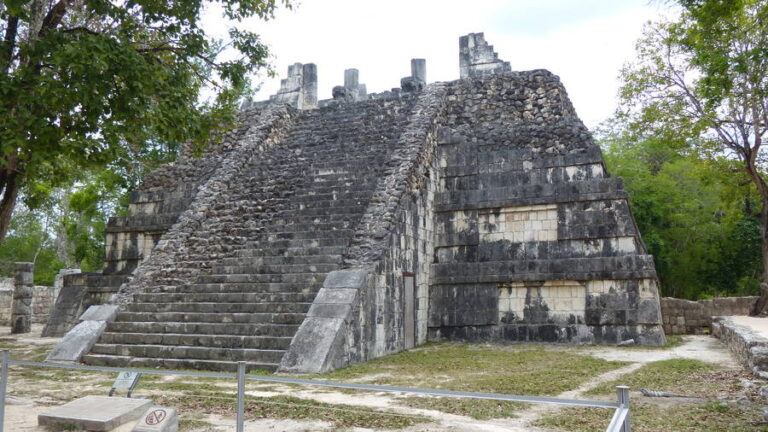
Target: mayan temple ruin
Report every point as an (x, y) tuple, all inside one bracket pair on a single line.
[(322, 233)]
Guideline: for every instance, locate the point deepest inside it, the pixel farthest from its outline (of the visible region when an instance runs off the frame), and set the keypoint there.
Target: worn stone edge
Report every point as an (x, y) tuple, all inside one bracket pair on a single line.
[(320, 343), (265, 132), (747, 345), (413, 153)]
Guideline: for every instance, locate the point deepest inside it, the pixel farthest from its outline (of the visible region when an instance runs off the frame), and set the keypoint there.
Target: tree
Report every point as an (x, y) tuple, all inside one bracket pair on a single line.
[(30, 239), (86, 84), (705, 77), (695, 215)]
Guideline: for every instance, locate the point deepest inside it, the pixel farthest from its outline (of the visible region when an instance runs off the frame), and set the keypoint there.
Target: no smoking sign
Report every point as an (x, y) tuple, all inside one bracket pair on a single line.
[(158, 419)]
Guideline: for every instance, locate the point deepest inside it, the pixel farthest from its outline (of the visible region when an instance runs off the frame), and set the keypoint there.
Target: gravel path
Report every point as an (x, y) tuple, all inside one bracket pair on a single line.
[(21, 415)]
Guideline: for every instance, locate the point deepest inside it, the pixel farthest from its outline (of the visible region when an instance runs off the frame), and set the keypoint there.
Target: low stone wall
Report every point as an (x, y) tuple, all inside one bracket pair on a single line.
[(43, 298), (748, 346), (6, 300), (693, 317)]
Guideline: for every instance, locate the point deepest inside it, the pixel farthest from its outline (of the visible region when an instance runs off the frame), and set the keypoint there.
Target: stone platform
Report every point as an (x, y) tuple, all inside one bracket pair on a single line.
[(473, 210), (94, 413), (747, 338)]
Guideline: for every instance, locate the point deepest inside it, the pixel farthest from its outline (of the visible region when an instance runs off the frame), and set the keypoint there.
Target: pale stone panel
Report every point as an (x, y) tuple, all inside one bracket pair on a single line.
[(519, 224), (563, 298)]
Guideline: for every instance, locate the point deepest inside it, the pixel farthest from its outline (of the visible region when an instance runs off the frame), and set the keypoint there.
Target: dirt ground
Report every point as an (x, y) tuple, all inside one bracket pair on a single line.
[(27, 401)]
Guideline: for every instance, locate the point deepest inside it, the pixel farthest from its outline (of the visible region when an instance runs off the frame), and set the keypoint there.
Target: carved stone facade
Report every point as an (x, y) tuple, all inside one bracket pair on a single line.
[(478, 209)]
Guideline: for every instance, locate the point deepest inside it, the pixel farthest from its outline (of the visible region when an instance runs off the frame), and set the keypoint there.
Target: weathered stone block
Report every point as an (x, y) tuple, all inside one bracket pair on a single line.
[(77, 342)]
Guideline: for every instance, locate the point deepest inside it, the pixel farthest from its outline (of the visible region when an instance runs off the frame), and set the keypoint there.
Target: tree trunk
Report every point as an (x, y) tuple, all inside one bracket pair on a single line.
[(63, 246), (761, 302), (9, 190), (8, 202)]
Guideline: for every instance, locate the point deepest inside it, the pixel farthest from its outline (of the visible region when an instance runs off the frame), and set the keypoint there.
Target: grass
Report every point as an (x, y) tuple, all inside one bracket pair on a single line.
[(187, 424), (27, 352), (710, 416), (478, 409), (286, 407), (525, 369), (682, 376)]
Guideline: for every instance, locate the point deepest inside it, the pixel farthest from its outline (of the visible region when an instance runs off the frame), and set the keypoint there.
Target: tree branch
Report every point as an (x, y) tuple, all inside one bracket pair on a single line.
[(9, 41), (55, 15)]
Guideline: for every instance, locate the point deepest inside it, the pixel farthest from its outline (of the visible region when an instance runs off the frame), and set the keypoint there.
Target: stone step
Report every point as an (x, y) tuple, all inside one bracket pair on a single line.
[(210, 307), (309, 235), (287, 225), (210, 317), (293, 217), (307, 252), (358, 185), (190, 352), (310, 194), (247, 287), (333, 204), (292, 278), (279, 330), (145, 362), (356, 210), (334, 178), (283, 260), (224, 297), (215, 341), (274, 268), (298, 243)]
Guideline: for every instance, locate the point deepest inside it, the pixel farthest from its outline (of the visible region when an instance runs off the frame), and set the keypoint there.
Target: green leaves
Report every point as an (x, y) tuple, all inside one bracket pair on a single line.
[(109, 82), (700, 85), (693, 213)]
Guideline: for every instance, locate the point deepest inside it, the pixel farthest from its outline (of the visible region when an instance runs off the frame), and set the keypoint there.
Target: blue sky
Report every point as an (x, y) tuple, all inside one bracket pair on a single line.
[(585, 42)]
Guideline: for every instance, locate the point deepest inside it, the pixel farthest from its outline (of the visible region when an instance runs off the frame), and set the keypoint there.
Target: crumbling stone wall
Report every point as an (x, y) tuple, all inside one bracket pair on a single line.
[(43, 298), (360, 313), (749, 346), (186, 248), (164, 194), (534, 241), (694, 317), (487, 192)]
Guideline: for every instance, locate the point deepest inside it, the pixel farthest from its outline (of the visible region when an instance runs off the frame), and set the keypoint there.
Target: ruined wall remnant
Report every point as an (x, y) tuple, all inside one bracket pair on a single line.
[(299, 89), (418, 79), (682, 316), (41, 306), (312, 239), (352, 90), (477, 58), (535, 242)]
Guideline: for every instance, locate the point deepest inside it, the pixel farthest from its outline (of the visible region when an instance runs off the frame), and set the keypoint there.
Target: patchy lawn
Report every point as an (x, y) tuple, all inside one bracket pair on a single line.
[(206, 404), (718, 401), (532, 370)]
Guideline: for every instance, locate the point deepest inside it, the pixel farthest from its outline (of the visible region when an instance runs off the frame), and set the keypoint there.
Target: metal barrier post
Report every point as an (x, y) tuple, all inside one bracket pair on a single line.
[(622, 392), (3, 385), (240, 396)]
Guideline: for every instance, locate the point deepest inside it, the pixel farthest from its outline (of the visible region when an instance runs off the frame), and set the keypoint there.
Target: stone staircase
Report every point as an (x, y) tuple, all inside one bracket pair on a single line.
[(281, 230)]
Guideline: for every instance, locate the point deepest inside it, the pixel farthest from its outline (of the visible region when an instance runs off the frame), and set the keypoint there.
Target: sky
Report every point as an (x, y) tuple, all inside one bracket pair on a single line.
[(585, 42)]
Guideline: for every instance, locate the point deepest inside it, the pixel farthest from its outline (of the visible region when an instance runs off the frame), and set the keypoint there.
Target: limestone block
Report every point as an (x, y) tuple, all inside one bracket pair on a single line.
[(477, 58), (94, 413), (77, 342), (299, 89), (21, 313), (100, 313)]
